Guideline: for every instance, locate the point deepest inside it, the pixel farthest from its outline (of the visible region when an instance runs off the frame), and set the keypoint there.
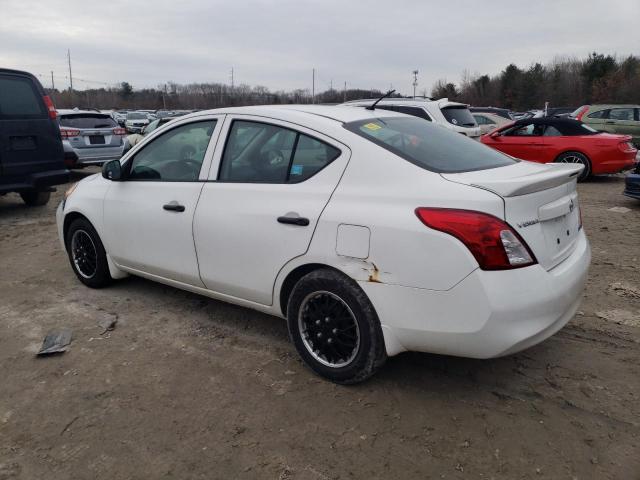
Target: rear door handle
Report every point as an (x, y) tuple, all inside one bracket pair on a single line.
[(291, 220), (174, 207)]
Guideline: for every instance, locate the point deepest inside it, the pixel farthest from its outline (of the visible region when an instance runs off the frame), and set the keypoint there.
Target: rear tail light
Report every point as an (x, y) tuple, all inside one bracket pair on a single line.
[(119, 131), (626, 146), (493, 243), (581, 113), (69, 132), (51, 109)]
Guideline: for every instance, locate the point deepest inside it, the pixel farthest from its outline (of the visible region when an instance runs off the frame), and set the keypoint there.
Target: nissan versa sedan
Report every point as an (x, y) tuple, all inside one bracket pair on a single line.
[(370, 231)]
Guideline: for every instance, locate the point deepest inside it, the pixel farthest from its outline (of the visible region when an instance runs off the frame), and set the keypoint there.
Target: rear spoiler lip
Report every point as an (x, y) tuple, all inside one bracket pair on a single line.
[(559, 174)]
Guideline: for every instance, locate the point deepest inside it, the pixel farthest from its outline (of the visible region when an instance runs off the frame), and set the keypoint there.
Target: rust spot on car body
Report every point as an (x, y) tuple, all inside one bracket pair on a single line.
[(374, 276)]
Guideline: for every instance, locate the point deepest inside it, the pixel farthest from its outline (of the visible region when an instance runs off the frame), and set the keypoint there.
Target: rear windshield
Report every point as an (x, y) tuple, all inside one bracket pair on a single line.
[(136, 116), (429, 146), (460, 116), (18, 98), (87, 121)]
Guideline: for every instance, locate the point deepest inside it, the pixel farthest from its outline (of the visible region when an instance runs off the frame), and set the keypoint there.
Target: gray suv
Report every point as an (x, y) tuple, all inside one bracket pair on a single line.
[(90, 137)]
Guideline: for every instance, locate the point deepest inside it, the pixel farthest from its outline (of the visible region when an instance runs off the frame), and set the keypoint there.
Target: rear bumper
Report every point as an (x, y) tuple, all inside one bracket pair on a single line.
[(488, 314), (614, 165), (79, 157), (632, 186), (34, 181)]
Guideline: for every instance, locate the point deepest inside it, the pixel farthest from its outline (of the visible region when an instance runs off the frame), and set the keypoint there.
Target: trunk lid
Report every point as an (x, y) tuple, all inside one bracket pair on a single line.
[(540, 203)]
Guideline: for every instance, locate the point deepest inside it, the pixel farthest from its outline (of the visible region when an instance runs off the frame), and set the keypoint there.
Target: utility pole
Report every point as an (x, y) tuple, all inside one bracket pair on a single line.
[(70, 78), (164, 97), (415, 82), (231, 78), (344, 93), (313, 86), (53, 85), (331, 85)]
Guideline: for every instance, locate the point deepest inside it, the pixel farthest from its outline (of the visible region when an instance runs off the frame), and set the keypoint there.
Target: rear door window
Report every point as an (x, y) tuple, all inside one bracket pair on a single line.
[(429, 146), (624, 114), (18, 98), (87, 121), (459, 116), (258, 152)]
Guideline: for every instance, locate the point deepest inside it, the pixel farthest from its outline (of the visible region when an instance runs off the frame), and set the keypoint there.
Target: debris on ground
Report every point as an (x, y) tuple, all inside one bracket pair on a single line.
[(624, 289), (107, 323), (56, 341), (619, 209)]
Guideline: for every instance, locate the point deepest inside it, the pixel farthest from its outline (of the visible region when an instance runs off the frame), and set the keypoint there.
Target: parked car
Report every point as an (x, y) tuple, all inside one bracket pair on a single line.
[(564, 140), (136, 138), (371, 232), (632, 183), (620, 119), (120, 116), (136, 121), (90, 138), (31, 154), (501, 112), (452, 115), (489, 121)]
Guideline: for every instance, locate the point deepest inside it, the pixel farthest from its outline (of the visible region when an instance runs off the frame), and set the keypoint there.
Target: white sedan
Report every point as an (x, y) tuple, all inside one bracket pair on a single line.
[(370, 231)]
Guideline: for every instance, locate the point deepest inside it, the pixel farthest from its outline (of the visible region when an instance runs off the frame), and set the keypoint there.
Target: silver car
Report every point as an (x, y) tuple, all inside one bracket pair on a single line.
[(90, 137)]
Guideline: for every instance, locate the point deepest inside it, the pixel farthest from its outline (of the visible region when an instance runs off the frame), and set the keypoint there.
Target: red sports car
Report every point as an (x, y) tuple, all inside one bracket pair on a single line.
[(565, 140)]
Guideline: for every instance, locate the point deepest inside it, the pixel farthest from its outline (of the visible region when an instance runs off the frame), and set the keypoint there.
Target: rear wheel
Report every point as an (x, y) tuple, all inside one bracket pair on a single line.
[(335, 328), (579, 158), (35, 198), (87, 255)]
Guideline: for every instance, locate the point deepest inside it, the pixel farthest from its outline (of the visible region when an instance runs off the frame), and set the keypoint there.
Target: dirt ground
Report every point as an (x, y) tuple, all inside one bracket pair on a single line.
[(187, 387)]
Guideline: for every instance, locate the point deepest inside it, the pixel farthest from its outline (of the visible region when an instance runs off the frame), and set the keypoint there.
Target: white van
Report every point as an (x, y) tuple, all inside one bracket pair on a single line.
[(452, 115)]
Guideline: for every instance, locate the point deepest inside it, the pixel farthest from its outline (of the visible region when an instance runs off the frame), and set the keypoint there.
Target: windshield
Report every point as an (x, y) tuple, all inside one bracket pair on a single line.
[(460, 116), (87, 121), (429, 146), (136, 116)]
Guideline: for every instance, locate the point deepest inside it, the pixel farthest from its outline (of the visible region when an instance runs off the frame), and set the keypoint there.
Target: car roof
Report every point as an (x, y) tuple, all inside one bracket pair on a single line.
[(613, 105), (568, 126), (337, 113), (80, 112)]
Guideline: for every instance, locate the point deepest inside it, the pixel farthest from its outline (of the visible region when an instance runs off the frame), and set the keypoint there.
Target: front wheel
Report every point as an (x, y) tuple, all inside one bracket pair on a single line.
[(579, 158), (335, 328), (87, 255), (35, 198)]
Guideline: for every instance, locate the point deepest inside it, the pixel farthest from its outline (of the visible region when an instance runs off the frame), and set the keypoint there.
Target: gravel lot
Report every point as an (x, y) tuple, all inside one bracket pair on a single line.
[(187, 387)]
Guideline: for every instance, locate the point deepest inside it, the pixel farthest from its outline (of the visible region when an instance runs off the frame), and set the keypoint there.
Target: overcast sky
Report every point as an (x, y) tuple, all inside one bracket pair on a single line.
[(368, 44)]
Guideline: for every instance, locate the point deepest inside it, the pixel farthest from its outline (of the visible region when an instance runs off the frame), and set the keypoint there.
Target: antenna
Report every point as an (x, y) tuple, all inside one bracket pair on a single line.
[(373, 107)]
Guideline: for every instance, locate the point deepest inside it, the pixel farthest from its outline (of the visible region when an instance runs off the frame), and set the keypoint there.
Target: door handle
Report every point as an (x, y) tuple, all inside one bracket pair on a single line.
[(174, 207), (610, 122), (291, 220)]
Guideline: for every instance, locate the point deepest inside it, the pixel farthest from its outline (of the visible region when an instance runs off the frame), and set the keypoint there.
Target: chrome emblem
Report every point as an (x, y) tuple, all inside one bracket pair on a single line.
[(571, 206), (528, 223)]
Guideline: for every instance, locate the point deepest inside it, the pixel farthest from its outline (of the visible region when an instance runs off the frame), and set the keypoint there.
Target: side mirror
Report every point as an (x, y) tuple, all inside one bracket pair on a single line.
[(112, 170)]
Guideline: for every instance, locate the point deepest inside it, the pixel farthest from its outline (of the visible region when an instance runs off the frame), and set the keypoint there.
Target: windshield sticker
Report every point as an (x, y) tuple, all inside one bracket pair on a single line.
[(296, 169), (372, 126)]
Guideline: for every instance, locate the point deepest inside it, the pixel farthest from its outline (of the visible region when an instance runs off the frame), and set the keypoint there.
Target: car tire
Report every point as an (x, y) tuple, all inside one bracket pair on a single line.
[(87, 255), (35, 198), (335, 328), (577, 157)]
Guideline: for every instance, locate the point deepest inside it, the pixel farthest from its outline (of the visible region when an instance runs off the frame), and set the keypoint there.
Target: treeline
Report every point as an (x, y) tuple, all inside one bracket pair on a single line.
[(173, 96), (565, 82)]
